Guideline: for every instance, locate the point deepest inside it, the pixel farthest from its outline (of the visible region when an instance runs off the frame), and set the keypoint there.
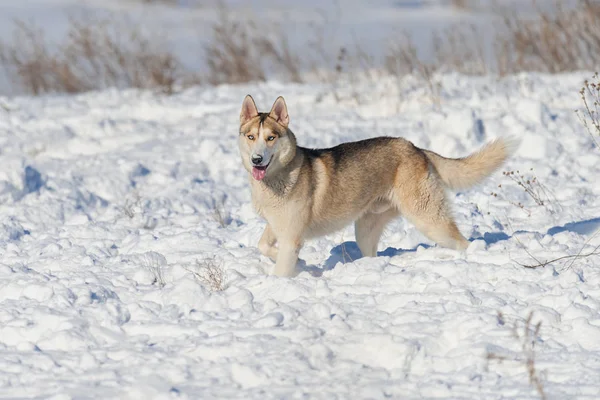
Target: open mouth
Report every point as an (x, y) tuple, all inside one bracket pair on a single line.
[(259, 171)]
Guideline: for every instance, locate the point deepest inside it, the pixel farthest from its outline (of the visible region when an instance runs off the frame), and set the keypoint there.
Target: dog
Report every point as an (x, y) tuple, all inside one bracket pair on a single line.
[(304, 193)]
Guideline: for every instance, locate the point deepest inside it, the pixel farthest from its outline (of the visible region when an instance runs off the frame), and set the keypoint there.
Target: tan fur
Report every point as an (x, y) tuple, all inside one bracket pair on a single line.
[(307, 193), (462, 173)]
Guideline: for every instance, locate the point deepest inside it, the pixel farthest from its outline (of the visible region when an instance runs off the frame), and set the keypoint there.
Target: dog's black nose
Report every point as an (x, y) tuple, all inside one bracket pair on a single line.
[(256, 159)]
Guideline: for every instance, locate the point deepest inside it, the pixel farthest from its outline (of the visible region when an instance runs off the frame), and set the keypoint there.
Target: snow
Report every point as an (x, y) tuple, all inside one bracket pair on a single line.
[(107, 202)]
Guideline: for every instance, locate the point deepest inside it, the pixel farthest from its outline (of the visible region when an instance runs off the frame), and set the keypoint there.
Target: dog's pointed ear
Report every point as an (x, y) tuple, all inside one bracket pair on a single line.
[(279, 112), (249, 110)]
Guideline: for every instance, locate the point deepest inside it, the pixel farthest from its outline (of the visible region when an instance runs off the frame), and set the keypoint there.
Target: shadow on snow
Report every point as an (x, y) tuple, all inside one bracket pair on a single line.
[(349, 252)]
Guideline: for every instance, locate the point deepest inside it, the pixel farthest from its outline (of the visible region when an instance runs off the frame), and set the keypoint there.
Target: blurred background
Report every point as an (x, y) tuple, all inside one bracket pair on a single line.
[(70, 46)]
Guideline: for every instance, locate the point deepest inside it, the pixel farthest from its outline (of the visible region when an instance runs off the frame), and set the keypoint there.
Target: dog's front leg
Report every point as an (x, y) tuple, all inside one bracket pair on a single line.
[(266, 244), (287, 257)]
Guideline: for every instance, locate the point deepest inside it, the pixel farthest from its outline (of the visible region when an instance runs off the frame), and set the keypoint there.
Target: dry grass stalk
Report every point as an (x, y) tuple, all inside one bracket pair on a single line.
[(531, 185), (461, 49), (241, 51), (572, 257), (155, 262), (461, 4), (209, 273), (537, 191), (96, 53), (590, 117), (555, 41), (107, 52), (346, 257), (219, 212), (345, 69), (552, 41), (133, 205), (139, 211), (402, 59), (354, 67), (28, 57), (527, 339)]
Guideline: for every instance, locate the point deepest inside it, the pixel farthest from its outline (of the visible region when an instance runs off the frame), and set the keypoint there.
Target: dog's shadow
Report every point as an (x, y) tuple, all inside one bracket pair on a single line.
[(583, 227), (348, 252)]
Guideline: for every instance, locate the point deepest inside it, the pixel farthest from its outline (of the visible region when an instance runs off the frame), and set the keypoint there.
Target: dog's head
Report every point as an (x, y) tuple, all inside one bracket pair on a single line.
[(266, 144)]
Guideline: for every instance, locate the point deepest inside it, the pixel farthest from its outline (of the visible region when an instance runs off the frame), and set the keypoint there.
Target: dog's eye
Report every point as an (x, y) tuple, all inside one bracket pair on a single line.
[(251, 137), (271, 138)]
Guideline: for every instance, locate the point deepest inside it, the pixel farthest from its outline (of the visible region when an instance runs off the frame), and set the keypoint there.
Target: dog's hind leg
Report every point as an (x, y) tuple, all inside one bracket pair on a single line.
[(368, 230), (422, 200), (442, 230)]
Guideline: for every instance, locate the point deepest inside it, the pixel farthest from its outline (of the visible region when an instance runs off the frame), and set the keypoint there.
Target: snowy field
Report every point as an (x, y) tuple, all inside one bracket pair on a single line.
[(107, 201)]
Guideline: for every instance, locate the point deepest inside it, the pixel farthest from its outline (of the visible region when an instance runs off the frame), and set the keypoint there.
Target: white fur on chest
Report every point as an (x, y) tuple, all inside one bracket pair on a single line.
[(266, 203), (284, 214)]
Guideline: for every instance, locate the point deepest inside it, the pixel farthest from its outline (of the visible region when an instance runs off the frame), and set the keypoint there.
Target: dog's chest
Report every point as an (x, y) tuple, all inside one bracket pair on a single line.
[(266, 204), (275, 209)]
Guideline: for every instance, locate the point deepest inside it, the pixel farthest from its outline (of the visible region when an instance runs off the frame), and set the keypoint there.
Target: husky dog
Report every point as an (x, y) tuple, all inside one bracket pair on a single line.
[(303, 193)]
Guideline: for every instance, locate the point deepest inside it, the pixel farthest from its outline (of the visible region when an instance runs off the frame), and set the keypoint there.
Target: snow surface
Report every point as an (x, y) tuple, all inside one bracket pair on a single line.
[(105, 197)]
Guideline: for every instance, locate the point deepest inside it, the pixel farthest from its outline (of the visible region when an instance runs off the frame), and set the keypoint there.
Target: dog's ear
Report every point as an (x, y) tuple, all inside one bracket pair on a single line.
[(249, 110), (279, 112)]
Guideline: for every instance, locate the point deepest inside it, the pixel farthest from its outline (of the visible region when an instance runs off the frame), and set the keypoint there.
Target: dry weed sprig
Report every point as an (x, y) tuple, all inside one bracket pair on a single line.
[(572, 257), (107, 52), (136, 210), (346, 258), (590, 95), (133, 205), (97, 53), (353, 67), (461, 4), (210, 273), (514, 203), (219, 211), (532, 187), (530, 335), (461, 49), (564, 39), (538, 192), (402, 59), (155, 262), (243, 51), (528, 253)]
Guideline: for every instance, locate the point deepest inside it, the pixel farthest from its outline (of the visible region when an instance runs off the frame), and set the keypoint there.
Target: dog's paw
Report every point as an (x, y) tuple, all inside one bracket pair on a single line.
[(476, 245)]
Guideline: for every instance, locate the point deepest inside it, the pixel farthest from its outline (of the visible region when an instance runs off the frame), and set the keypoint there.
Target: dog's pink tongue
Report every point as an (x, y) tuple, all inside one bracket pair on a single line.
[(258, 174)]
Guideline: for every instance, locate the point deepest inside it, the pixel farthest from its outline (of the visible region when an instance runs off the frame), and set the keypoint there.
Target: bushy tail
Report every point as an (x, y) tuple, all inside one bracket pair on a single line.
[(462, 173)]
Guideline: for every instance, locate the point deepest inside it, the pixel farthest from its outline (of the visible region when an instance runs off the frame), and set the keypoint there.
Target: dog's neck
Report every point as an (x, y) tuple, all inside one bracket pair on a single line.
[(284, 181)]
